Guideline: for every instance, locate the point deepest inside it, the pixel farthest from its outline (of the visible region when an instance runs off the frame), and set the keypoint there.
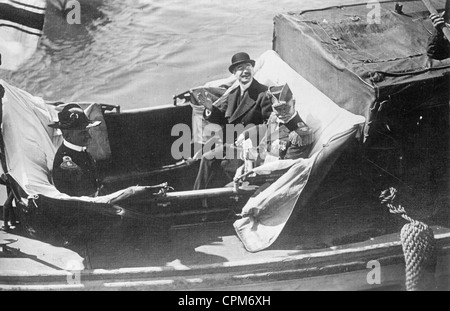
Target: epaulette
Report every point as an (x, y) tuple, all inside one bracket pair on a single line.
[(306, 134), (68, 164)]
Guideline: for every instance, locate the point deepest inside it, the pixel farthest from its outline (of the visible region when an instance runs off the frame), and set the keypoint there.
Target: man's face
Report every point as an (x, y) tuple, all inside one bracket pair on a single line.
[(283, 110), (78, 137), (244, 73)]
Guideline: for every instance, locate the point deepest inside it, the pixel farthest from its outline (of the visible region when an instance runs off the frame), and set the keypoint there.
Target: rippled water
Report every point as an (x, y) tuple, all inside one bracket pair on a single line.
[(138, 53)]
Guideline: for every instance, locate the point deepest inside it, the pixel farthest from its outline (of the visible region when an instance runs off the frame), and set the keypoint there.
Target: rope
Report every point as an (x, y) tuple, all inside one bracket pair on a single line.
[(419, 247)]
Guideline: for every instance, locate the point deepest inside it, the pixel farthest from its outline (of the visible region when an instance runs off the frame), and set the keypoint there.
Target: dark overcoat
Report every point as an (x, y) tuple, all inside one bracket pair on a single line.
[(253, 108)]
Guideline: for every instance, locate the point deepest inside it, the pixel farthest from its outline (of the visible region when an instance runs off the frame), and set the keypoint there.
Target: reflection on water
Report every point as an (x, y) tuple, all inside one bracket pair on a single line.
[(138, 53)]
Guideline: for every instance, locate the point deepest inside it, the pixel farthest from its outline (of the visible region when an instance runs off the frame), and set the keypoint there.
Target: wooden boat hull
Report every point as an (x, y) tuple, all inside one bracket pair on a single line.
[(341, 268)]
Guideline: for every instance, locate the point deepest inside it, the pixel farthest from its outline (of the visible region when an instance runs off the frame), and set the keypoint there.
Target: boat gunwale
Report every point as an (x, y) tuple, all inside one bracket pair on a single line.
[(146, 109), (313, 260)]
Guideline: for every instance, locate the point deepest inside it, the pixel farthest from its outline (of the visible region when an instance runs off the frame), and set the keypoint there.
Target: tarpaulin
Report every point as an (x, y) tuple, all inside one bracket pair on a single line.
[(360, 55)]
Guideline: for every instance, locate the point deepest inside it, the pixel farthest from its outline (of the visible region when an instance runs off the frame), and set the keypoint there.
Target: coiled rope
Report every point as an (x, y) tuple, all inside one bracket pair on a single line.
[(419, 247)]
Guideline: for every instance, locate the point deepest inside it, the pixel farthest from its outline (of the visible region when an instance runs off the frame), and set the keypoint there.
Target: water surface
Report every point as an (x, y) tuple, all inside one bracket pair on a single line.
[(138, 53)]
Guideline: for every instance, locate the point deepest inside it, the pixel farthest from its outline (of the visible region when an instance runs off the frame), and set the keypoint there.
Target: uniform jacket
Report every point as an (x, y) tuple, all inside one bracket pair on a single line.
[(276, 144), (276, 141), (74, 172)]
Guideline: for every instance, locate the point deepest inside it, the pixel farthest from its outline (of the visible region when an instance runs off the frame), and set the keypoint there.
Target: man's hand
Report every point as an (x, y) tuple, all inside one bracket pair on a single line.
[(203, 98)]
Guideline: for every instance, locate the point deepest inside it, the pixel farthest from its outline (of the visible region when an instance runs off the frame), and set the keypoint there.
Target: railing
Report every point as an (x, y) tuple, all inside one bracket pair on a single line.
[(105, 107)]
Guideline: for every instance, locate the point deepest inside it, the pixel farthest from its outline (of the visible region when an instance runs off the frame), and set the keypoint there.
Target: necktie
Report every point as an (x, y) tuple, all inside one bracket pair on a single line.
[(241, 97)]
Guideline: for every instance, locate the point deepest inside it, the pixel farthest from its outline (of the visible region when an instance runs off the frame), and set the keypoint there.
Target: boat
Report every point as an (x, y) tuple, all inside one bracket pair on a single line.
[(150, 231)]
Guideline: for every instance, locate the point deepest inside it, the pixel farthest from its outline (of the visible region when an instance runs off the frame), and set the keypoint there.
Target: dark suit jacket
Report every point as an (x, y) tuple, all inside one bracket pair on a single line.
[(77, 177), (254, 108)]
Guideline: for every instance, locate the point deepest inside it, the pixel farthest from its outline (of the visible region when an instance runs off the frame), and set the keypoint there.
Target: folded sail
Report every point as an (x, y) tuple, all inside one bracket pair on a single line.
[(21, 26)]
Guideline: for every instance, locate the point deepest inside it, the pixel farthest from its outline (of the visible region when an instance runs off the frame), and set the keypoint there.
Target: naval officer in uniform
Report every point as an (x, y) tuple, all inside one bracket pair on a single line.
[(74, 172)]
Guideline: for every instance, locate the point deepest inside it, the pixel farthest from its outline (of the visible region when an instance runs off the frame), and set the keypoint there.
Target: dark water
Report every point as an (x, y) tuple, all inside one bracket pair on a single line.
[(138, 53)]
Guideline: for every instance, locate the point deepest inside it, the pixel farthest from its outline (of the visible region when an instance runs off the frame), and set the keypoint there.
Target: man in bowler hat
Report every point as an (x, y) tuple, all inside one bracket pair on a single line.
[(74, 172), (246, 105)]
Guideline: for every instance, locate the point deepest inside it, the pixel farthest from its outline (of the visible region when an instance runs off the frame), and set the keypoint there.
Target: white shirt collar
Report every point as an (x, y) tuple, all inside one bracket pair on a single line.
[(74, 147), (244, 87)]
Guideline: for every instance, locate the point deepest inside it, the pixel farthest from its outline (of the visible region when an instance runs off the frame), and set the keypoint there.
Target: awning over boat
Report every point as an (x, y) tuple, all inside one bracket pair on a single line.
[(359, 55)]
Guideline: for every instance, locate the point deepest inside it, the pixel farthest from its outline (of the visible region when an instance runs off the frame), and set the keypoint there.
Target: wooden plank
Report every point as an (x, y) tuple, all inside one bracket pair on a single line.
[(432, 10), (207, 193)]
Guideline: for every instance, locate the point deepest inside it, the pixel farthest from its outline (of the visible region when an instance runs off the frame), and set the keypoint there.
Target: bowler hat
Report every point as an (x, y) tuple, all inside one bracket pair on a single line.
[(280, 94), (240, 58), (72, 117)]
